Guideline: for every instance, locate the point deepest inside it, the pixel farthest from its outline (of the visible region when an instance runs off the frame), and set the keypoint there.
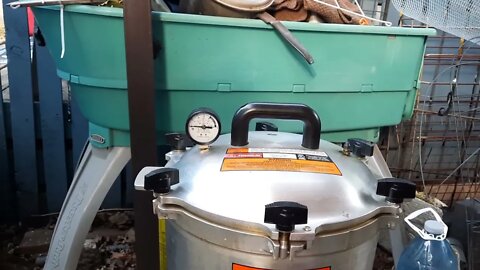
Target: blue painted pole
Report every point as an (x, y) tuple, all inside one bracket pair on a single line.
[(52, 127), (4, 167), (22, 115), (79, 131), (6, 198)]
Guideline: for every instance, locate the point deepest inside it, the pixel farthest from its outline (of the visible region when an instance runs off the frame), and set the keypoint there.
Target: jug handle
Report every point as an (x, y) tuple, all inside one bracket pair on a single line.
[(421, 232)]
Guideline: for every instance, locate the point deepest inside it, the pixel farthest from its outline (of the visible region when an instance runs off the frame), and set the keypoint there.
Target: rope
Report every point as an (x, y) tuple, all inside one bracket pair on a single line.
[(62, 30)]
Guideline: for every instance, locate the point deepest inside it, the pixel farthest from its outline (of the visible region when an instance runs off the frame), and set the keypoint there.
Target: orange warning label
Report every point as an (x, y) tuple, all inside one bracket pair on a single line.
[(268, 159), (243, 267)]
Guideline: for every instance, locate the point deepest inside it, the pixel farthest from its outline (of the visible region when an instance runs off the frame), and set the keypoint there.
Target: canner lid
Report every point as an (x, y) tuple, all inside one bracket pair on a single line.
[(247, 5), (230, 186)]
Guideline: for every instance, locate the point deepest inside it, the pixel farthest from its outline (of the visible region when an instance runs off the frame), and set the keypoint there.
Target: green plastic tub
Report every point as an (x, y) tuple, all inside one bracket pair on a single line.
[(364, 77)]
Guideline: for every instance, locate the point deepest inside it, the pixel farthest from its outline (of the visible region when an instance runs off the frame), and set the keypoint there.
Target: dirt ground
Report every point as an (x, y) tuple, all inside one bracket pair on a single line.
[(109, 244)]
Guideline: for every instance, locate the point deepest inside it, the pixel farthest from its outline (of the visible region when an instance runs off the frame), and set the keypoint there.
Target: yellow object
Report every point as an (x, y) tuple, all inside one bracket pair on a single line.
[(162, 231), (364, 21)]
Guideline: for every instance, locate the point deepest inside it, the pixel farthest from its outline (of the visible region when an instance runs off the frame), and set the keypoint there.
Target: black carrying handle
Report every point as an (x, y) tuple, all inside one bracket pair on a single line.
[(292, 111)]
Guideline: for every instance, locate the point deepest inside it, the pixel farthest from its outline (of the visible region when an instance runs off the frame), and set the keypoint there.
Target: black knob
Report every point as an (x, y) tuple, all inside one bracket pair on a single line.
[(285, 215), (360, 147), (161, 180), (265, 126), (178, 141), (396, 190)]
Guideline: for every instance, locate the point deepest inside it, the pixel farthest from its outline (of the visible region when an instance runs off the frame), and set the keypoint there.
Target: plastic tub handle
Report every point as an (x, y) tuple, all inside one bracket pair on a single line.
[(290, 111)]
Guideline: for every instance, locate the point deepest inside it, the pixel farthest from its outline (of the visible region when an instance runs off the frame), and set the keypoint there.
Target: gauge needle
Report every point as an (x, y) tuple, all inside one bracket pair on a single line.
[(202, 127)]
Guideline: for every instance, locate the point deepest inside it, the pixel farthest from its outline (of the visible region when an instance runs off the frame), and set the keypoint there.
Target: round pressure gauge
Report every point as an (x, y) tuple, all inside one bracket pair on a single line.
[(203, 126)]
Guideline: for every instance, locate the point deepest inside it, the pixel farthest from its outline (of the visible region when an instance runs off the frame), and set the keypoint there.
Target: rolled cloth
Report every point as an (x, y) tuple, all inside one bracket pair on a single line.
[(291, 10), (287, 4), (333, 15)]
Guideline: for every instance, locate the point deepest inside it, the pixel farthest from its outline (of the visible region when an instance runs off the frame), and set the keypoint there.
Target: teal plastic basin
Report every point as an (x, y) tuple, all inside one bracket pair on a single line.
[(363, 78)]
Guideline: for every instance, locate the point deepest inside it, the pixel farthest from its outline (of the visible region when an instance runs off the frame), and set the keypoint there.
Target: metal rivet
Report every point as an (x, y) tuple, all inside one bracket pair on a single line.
[(307, 228)]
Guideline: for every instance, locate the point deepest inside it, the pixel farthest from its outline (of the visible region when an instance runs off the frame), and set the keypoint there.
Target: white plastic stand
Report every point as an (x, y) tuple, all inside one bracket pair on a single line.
[(95, 175), (397, 239), (379, 167)]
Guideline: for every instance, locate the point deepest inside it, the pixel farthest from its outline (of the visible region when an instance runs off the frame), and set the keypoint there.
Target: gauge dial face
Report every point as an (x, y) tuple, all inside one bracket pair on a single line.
[(203, 126)]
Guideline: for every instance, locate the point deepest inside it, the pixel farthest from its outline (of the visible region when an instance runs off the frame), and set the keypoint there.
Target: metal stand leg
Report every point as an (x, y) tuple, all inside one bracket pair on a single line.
[(97, 171)]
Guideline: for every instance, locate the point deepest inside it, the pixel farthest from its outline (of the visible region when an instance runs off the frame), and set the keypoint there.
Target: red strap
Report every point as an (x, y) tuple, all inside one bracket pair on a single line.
[(31, 21)]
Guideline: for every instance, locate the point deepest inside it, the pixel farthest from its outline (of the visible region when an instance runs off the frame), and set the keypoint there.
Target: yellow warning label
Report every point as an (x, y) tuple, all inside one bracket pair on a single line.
[(292, 160), (243, 267)]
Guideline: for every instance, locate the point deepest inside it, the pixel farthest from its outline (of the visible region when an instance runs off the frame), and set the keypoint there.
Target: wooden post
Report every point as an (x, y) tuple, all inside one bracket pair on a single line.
[(141, 105)]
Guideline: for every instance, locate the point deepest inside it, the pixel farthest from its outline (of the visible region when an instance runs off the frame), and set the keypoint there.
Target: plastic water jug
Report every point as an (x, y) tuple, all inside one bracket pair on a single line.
[(429, 250)]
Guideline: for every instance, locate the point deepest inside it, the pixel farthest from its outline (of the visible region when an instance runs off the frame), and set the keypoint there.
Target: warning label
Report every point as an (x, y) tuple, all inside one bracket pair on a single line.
[(270, 159), (243, 267)]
